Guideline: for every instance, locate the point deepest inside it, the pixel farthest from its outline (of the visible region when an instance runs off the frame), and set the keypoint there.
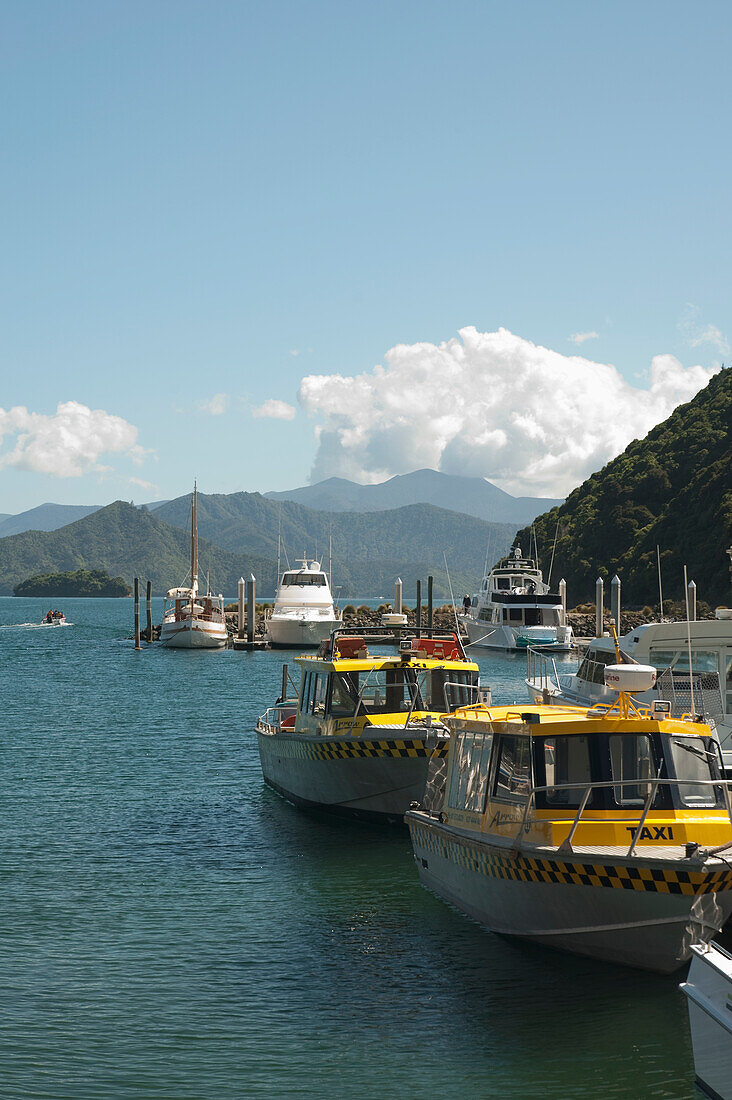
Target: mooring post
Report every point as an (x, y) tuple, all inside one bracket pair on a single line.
[(563, 599), (137, 614), (251, 607), (418, 609), (429, 602), (691, 600), (615, 602), (398, 596), (599, 587), (242, 597), (148, 609)]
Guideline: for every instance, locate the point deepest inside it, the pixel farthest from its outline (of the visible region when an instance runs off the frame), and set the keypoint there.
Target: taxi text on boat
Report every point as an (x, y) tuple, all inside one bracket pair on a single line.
[(604, 832), (303, 614), (515, 609), (352, 740), (192, 620)]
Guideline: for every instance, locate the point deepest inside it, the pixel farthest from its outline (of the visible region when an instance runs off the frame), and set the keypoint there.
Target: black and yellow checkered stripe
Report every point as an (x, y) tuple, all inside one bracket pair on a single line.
[(522, 868), (332, 749)]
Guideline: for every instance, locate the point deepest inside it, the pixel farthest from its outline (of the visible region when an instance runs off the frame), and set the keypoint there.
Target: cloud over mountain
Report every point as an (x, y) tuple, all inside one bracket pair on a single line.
[(67, 443), (488, 404)]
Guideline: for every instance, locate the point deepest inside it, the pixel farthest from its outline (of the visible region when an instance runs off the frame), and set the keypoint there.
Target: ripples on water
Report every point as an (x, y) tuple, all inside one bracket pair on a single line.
[(172, 928)]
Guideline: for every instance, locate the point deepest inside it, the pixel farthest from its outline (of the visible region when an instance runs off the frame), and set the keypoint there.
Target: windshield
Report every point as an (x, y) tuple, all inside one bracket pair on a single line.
[(695, 761), (302, 579)]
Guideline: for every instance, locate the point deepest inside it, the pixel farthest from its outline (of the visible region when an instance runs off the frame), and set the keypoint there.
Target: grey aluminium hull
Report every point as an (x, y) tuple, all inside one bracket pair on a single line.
[(568, 903), (376, 776)]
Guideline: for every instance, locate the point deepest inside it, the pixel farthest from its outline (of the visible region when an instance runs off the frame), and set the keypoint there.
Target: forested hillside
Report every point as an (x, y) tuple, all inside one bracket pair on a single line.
[(672, 489)]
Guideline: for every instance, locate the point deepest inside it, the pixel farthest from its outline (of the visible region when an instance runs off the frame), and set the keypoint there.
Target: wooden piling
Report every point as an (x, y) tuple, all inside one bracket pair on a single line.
[(137, 614), (242, 599), (429, 602), (251, 607), (418, 609)]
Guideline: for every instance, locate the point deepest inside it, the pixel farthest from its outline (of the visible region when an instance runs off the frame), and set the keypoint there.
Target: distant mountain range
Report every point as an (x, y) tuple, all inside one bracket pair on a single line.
[(239, 536), (473, 496), (673, 490), (46, 517)]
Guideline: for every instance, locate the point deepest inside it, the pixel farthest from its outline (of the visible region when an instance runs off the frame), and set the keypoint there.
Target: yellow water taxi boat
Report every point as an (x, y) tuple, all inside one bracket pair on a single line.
[(605, 832), (353, 739)]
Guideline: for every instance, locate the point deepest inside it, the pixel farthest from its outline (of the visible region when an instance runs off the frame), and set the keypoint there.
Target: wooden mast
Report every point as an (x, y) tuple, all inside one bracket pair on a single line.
[(194, 540)]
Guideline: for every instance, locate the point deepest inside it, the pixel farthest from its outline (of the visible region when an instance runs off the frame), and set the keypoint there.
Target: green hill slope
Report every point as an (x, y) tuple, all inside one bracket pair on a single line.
[(674, 489), (123, 541), (416, 533)]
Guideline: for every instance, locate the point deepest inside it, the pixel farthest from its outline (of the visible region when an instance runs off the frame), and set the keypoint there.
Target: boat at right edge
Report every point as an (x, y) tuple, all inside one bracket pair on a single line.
[(597, 832)]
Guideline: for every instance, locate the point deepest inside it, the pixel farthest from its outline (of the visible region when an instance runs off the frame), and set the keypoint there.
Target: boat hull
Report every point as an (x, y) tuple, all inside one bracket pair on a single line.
[(497, 636), (604, 912), (374, 777), (290, 632), (187, 635)]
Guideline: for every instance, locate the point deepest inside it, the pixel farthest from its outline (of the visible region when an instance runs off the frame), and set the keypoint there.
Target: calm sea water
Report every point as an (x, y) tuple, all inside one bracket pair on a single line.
[(172, 928)]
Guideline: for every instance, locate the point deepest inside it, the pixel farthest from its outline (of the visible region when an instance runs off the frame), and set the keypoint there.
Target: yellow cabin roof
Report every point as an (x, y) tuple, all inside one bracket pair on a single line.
[(383, 661), (569, 720)]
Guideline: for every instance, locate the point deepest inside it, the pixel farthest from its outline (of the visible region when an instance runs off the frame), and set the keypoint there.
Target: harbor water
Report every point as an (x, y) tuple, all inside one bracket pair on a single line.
[(172, 928)]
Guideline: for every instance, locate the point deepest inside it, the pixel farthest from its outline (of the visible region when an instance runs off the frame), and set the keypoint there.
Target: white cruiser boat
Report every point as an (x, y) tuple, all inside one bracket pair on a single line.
[(515, 609), (666, 647), (192, 620), (709, 994), (303, 615)]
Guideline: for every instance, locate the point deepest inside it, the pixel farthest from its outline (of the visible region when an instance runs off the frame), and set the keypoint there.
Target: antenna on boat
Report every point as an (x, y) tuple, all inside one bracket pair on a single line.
[(194, 538), (688, 642), (660, 589), (452, 598), (551, 563), (279, 540)]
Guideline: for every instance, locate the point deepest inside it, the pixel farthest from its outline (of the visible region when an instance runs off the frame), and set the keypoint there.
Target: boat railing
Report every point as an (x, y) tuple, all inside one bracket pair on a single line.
[(271, 720), (653, 785), (541, 670)]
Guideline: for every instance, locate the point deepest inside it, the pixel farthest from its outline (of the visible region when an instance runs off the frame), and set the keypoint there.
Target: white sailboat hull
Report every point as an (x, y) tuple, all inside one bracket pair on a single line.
[(709, 992), (193, 634)]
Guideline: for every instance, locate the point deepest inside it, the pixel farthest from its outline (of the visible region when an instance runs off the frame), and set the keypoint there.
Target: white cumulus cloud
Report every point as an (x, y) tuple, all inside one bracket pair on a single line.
[(275, 410), (580, 337), (488, 404), (67, 443), (216, 405), (696, 333)]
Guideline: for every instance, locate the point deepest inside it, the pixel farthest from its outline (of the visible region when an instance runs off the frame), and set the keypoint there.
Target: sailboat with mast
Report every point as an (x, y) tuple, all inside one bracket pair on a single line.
[(192, 620)]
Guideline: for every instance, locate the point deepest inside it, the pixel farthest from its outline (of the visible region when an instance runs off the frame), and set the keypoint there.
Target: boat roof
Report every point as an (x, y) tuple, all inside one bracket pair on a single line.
[(546, 720), (347, 649), (385, 660), (709, 631)]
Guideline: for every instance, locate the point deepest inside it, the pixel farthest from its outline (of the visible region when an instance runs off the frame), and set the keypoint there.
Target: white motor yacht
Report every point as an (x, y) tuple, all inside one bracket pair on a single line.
[(515, 609), (192, 620), (303, 615)]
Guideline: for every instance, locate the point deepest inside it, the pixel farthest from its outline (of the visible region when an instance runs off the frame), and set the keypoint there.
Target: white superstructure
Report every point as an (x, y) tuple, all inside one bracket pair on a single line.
[(515, 609), (709, 993), (303, 614), (192, 620)]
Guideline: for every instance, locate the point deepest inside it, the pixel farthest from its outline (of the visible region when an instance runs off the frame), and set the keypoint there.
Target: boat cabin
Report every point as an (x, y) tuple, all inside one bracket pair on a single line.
[(349, 686), (564, 775)]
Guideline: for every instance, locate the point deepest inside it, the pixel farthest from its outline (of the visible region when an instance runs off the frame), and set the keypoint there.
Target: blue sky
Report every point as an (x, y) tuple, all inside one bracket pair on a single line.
[(191, 193)]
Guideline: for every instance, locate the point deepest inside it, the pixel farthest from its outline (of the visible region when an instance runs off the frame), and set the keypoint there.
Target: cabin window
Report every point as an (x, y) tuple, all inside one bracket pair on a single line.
[(566, 760), (592, 666), (343, 695), (702, 660), (305, 692), (485, 614), (304, 579), (503, 583), (469, 775), (449, 690), (513, 776), (631, 760), (515, 615), (386, 690), (320, 687), (694, 759)]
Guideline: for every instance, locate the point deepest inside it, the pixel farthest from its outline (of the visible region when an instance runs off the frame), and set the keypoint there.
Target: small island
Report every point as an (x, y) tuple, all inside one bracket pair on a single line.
[(82, 582)]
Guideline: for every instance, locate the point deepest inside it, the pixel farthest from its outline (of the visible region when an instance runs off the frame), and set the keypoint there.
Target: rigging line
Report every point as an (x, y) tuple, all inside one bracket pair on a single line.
[(452, 598), (551, 563)]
